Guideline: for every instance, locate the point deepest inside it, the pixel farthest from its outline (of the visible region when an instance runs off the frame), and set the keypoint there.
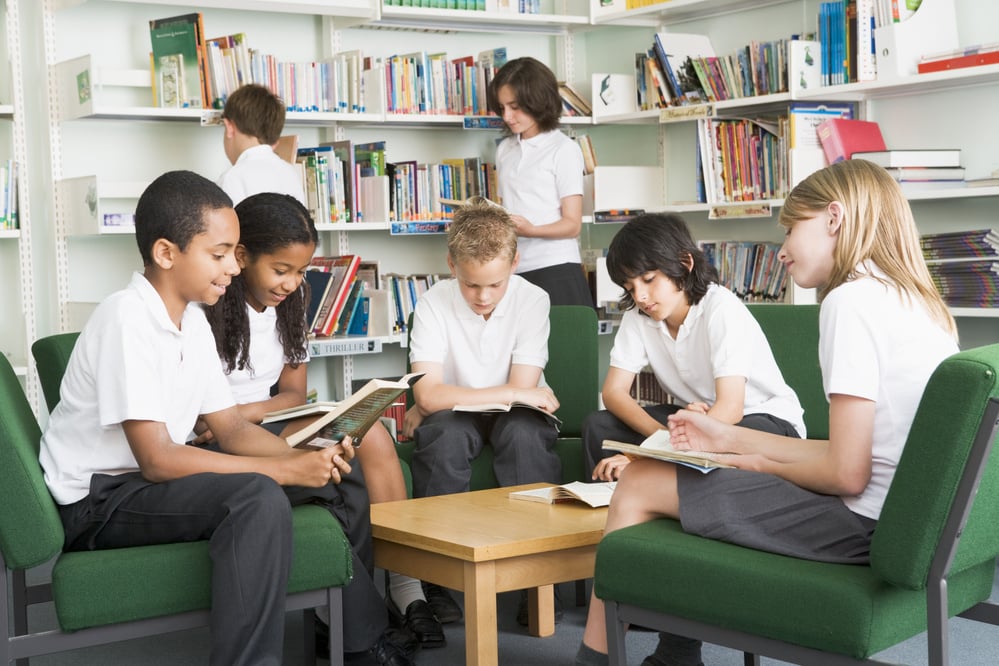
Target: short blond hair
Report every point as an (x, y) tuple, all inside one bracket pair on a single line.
[(480, 232), (877, 225)]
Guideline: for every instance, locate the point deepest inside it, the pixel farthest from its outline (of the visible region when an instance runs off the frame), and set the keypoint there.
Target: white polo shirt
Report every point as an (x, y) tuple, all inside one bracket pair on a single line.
[(534, 176), (259, 169), (266, 358), (875, 345), (719, 338), (130, 363), (477, 352)]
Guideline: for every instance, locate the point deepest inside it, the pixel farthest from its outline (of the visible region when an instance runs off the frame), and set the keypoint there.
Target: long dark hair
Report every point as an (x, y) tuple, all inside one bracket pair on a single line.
[(535, 87), (267, 223), (658, 241)]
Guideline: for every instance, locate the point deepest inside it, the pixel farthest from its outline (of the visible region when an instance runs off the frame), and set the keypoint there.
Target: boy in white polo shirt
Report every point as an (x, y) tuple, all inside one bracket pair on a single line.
[(481, 337), (142, 371)]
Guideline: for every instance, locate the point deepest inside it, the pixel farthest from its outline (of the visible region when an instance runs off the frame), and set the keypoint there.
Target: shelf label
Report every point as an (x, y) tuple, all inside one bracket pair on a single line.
[(751, 209), (482, 122), (676, 114), (344, 347)]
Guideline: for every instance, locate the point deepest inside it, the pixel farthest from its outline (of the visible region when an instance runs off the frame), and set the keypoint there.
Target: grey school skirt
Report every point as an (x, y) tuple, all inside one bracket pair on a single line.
[(768, 513)]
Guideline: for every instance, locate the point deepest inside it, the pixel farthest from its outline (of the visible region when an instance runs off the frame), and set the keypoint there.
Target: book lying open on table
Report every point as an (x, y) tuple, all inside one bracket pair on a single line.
[(595, 494), (353, 416), (657, 445), (488, 407)]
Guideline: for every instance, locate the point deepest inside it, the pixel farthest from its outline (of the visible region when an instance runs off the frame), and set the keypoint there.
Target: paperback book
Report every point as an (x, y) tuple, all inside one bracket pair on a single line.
[(498, 407), (657, 445), (351, 417), (177, 59), (595, 494)]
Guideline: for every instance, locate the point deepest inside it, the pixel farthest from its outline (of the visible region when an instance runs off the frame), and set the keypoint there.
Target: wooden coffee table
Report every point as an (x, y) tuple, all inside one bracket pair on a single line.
[(482, 543)]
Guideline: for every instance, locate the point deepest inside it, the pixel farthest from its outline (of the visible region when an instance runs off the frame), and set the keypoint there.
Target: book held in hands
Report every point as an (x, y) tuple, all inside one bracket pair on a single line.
[(497, 407), (658, 446), (595, 494), (353, 416)]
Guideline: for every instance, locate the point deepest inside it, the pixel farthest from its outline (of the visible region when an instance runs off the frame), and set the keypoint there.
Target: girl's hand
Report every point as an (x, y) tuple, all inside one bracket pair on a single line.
[(609, 469), (411, 421), (691, 431), (522, 225), (699, 407), (203, 432)]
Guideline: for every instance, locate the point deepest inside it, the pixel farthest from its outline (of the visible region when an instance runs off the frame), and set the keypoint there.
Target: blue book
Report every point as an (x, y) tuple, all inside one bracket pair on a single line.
[(359, 319)]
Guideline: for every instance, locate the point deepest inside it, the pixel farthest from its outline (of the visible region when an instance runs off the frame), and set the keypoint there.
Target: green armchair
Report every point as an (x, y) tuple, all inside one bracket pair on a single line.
[(106, 596), (933, 555)]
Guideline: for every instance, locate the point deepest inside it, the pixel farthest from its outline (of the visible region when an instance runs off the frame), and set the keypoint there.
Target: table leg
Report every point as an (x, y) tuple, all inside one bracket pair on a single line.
[(481, 643), (541, 610)]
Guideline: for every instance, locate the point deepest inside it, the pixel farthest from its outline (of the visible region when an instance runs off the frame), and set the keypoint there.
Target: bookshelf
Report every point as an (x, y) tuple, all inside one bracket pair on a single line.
[(17, 270), (115, 142)]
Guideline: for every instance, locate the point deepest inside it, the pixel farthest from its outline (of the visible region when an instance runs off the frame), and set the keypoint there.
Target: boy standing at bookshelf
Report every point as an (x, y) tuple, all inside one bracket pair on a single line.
[(253, 118), (481, 338), (143, 370)]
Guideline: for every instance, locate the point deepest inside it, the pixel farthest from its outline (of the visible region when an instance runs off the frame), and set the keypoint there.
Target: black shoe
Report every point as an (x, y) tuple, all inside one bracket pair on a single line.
[(419, 620), (390, 642), (387, 653), (522, 618), (442, 603)]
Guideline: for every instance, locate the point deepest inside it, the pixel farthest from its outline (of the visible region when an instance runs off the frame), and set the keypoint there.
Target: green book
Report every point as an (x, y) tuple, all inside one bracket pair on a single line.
[(176, 61)]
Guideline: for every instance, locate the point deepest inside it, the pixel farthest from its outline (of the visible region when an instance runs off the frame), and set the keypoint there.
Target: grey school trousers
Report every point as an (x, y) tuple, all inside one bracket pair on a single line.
[(523, 443), (246, 519)]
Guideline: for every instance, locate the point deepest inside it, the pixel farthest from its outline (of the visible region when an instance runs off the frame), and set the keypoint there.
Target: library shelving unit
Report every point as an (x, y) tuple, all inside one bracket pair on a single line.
[(107, 144), (16, 264)]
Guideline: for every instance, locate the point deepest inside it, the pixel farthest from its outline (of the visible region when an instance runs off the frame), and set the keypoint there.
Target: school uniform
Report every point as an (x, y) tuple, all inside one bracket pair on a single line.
[(718, 338), (348, 501), (534, 176), (873, 344), (477, 353), (259, 169)]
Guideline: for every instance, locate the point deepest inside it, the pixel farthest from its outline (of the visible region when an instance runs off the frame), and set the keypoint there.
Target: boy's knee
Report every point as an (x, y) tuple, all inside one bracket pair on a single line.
[(263, 497)]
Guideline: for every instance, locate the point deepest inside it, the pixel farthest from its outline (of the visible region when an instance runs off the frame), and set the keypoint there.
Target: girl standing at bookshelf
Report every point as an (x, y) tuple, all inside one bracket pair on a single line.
[(540, 173), (883, 329), (261, 334)]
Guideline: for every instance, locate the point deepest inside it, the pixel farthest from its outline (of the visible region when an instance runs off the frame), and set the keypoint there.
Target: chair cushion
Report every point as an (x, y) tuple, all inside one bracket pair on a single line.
[(839, 608), (94, 588)]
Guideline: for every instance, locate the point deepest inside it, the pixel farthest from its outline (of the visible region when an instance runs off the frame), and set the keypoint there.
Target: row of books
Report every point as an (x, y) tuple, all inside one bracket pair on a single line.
[(751, 270), (347, 182), (964, 266), (683, 69), (647, 390), (436, 84), (511, 6), (8, 195), (741, 159), (338, 304), (971, 56), (404, 291)]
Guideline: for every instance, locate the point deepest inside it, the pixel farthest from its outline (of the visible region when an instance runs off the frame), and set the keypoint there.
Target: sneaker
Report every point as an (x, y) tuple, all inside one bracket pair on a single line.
[(445, 608), (420, 621), (522, 615)]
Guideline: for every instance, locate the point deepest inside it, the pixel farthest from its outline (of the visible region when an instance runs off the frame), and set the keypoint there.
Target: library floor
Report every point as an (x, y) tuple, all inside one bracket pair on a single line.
[(971, 644)]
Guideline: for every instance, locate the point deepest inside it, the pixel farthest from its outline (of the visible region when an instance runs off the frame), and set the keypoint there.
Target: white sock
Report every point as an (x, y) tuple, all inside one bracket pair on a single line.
[(404, 590)]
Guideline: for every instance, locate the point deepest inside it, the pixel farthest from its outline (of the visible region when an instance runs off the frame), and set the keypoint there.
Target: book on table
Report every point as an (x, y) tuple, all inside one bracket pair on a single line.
[(658, 446), (499, 407), (595, 494), (353, 416)]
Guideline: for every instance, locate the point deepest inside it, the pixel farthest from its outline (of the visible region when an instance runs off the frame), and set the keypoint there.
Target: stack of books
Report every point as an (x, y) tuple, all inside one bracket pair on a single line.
[(920, 169), (964, 266)]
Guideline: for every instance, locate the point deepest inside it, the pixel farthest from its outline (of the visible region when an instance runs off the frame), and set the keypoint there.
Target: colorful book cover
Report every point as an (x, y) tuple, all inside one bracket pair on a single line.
[(177, 60), (841, 138)]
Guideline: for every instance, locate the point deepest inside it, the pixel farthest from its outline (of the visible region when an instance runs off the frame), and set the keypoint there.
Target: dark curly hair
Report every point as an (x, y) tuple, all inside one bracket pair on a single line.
[(658, 241), (267, 223)]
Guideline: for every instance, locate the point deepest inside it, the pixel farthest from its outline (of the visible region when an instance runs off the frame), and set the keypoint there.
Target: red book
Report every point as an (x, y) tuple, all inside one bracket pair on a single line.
[(958, 62), (841, 138), (344, 269)]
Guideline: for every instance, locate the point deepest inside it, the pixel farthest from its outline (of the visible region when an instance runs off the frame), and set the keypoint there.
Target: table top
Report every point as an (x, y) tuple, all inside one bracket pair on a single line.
[(486, 525)]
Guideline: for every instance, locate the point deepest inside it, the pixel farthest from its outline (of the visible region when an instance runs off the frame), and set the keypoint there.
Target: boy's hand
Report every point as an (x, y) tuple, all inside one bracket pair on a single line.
[(315, 469), (541, 397), (699, 407), (203, 432), (411, 422)]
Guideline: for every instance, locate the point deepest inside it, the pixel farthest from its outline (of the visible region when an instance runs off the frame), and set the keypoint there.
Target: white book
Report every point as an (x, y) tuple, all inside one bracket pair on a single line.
[(658, 446), (923, 157), (595, 494)]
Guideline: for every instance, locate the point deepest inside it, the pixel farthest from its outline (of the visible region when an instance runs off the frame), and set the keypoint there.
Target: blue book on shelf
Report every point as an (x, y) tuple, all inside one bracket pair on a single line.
[(359, 319)]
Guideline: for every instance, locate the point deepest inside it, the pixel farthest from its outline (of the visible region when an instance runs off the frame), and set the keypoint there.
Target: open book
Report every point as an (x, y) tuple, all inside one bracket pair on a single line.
[(657, 445), (595, 494), (505, 407), (353, 416)]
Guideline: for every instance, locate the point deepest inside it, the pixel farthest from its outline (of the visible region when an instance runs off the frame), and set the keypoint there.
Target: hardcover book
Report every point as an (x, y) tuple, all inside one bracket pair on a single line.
[(177, 61), (595, 494), (841, 138), (353, 416)]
